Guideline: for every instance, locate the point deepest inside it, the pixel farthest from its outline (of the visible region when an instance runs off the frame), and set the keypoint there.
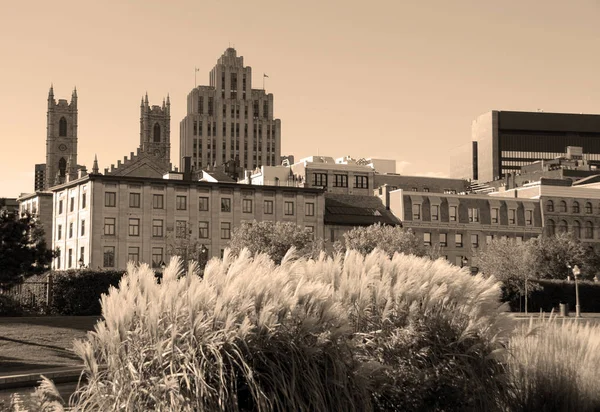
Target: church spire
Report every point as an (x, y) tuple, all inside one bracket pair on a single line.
[(51, 92), (95, 167), (146, 99)]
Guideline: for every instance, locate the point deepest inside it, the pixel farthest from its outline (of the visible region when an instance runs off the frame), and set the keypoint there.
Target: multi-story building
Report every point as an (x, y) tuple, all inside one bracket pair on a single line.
[(344, 176), (229, 119), (39, 177), (107, 220), (39, 205), (461, 225), (421, 183), (507, 140)]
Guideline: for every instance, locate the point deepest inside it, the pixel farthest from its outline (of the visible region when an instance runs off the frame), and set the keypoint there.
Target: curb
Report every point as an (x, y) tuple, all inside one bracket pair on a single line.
[(32, 379)]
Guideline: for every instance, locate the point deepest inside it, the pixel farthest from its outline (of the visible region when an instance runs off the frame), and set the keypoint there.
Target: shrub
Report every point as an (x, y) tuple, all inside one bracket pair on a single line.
[(356, 334), (550, 293), (9, 307), (554, 366)]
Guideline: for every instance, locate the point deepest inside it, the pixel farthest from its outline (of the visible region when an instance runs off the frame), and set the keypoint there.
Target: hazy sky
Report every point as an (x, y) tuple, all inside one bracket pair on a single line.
[(392, 79)]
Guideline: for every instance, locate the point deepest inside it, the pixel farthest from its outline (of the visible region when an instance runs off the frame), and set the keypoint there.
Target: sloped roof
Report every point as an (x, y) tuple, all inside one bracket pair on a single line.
[(219, 176), (587, 180), (356, 210)]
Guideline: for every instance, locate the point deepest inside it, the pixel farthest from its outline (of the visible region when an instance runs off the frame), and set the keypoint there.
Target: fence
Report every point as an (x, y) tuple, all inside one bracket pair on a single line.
[(32, 294)]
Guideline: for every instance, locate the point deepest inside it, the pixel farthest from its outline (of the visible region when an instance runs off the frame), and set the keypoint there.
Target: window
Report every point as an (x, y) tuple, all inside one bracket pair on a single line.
[(134, 227), (60, 207), (225, 204), (361, 182), (512, 216), (550, 227), (133, 254), (562, 226), (452, 211), (109, 226), (562, 206), (109, 256), (203, 204), (180, 229), (246, 205), (443, 239), (427, 239), (157, 257), (320, 179), (549, 206), (311, 230), (528, 217), (58, 260), (495, 215), (225, 230), (458, 239), (110, 199), (134, 200), (589, 230), (83, 201), (156, 133), (83, 228), (82, 254), (340, 181), (62, 127), (435, 212), (475, 241), (203, 230), (426, 189), (289, 208), (70, 230), (157, 228), (70, 261), (181, 203), (59, 232), (577, 229), (158, 201), (415, 189), (72, 204), (473, 215), (416, 209), (268, 207), (588, 208), (309, 209), (488, 239)]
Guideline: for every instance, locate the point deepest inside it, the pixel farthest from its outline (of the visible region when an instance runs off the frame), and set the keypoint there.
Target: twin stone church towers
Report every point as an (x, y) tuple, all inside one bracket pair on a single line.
[(226, 121)]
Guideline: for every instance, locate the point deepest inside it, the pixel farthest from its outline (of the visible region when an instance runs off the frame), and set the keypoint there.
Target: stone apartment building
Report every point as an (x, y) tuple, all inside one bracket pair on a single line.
[(104, 221), (39, 204), (461, 225)]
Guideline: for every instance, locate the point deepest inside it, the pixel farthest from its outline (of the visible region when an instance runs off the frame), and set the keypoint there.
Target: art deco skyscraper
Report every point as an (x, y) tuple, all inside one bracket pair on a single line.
[(230, 120)]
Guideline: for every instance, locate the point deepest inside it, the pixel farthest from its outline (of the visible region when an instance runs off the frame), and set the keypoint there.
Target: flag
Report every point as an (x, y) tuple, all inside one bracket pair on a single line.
[(264, 75)]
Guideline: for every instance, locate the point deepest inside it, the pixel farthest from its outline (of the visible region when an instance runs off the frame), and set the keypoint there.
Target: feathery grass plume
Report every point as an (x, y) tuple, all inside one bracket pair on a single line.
[(361, 333), (553, 364)]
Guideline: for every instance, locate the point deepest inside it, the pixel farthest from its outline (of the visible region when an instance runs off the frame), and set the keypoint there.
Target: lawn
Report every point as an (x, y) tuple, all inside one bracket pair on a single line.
[(35, 343)]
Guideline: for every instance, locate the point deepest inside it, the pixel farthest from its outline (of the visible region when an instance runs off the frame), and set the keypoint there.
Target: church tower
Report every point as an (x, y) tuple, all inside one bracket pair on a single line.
[(155, 130), (61, 140)]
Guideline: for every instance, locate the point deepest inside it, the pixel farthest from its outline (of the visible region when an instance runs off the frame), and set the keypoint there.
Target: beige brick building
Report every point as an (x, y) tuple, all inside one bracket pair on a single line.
[(106, 221), (230, 120)]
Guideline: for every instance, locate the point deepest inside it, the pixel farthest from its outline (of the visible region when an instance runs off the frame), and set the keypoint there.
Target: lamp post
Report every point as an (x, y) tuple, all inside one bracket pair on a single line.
[(576, 271)]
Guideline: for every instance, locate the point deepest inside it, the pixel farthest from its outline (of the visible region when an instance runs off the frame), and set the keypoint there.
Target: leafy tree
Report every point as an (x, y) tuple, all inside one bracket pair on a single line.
[(273, 239), (390, 239), (551, 254), (187, 247), (23, 249)]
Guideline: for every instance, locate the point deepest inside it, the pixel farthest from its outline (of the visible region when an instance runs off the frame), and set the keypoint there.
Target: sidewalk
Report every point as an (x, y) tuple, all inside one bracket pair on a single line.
[(32, 377)]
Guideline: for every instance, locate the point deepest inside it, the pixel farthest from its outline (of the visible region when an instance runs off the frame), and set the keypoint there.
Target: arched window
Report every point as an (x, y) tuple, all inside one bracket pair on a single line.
[(577, 229), (563, 226), (562, 206), (62, 166), (62, 127), (575, 207), (156, 133), (589, 230), (549, 206), (588, 208), (550, 227)]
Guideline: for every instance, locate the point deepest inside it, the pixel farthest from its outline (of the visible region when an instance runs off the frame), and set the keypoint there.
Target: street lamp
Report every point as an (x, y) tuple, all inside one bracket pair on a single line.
[(576, 273)]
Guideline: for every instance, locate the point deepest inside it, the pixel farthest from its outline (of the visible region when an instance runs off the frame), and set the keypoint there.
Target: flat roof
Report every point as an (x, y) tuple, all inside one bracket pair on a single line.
[(549, 122)]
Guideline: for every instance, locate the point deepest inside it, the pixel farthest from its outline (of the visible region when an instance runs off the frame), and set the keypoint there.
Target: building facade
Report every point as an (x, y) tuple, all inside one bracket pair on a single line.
[(344, 176), (461, 225), (39, 205), (507, 140), (421, 183), (230, 120), (107, 221)]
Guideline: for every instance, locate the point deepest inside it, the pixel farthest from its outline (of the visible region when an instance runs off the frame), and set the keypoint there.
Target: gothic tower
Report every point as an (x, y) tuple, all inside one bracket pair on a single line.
[(61, 140), (155, 130)]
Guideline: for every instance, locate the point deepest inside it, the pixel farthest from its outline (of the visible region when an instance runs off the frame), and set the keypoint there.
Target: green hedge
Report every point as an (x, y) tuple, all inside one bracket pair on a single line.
[(554, 292)]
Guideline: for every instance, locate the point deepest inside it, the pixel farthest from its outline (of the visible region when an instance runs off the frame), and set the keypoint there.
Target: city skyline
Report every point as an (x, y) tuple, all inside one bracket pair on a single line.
[(381, 79)]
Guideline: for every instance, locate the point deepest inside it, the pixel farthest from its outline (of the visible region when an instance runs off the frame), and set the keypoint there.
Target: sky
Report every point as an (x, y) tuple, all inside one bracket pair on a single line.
[(391, 79)]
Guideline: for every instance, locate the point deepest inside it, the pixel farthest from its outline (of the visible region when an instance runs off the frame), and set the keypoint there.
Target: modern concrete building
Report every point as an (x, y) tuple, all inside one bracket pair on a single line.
[(343, 176), (507, 140), (229, 119), (461, 225), (107, 220)]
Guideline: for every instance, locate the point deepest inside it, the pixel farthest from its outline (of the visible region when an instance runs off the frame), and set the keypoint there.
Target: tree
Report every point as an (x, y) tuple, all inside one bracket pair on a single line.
[(23, 249), (181, 243), (390, 239), (273, 239), (551, 254), (511, 263)]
